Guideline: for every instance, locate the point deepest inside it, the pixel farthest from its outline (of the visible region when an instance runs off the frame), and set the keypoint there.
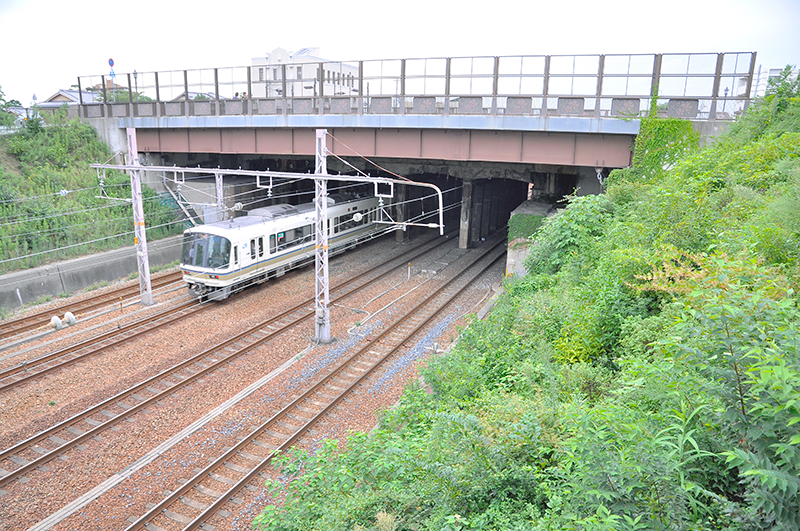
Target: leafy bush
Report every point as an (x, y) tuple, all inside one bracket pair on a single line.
[(644, 375), (51, 207)]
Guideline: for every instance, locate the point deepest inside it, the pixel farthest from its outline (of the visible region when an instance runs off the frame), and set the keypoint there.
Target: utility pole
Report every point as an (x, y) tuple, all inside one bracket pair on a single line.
[(140, 236), (323, 316)]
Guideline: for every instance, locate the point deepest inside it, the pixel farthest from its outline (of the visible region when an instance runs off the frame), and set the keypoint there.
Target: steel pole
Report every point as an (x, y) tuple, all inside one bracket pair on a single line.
[(323, 316), (140, 235)]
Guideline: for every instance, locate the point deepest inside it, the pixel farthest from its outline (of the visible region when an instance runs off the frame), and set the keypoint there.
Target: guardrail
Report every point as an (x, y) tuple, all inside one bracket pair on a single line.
[(694, 86)]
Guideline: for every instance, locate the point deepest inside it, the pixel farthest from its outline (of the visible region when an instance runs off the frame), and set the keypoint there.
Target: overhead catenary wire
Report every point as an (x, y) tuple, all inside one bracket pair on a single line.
[(356, 153), (59, 193), (127, 233), (9, 220)]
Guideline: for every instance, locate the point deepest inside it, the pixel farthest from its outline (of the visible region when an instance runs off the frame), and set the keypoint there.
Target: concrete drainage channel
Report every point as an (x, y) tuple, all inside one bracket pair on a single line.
[(70, 276)]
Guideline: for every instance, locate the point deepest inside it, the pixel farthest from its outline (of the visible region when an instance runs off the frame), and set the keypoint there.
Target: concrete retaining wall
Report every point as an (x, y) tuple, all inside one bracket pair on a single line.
[(79, 273), (520, 249)]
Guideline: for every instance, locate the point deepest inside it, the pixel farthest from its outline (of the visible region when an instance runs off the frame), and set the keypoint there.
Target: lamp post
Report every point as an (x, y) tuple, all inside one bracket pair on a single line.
[(136, 84), (725, 101)]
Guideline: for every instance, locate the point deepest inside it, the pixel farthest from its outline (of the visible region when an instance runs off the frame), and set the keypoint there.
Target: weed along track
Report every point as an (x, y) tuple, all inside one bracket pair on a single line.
[(79, 466)]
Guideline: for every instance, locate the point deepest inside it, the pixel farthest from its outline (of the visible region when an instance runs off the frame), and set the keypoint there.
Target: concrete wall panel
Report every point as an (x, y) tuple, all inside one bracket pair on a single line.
[(362, 141), (602, 150), (204, 141), (495, 146), (445, 144), (147, 140), (238, 140), (274, 141), (398, 143), (305, 141), (548, 148), (175, 140), (78, 273)]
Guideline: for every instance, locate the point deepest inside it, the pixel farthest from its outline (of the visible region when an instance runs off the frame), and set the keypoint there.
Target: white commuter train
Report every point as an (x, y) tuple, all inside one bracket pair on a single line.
[(219, 257)]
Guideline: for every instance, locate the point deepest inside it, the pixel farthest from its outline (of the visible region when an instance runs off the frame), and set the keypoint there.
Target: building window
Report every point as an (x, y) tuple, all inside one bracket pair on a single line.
[(275, 73), (299, 72)]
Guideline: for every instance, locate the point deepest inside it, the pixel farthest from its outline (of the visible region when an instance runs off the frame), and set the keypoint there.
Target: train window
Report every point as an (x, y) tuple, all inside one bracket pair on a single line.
[(336, 224), (260, 246), (253, 249), (272, 247), (281, 240), (236, 254), (206, 250)]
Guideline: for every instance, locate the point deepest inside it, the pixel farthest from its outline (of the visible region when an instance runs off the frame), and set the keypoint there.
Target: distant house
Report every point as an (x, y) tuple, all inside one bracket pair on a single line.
[(19, 113), (70, 97)]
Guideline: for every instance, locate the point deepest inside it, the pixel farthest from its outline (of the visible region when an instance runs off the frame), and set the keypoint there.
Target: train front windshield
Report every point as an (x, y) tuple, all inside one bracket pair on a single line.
[(206, 250)]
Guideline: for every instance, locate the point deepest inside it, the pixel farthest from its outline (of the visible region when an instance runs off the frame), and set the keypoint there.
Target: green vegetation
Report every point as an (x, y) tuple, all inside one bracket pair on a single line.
[(523, 225), (120, 96), (6, 117), (644, 375), (51, 207)]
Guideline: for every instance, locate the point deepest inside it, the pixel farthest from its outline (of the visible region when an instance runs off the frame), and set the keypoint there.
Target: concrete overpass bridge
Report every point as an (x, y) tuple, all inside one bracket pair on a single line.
[(497, 125)]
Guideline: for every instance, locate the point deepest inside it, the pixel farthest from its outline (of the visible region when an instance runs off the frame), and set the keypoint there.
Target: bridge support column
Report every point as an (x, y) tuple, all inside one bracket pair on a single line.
[(478, 217), (401, 212), (466, 216)]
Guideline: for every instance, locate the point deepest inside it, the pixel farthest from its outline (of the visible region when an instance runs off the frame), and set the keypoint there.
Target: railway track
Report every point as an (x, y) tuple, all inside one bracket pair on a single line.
[(35, 452), (59, 359), (204, 496), (41, 319)]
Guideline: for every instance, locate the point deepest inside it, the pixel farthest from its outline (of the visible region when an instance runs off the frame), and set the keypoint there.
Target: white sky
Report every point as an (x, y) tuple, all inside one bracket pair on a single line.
[(45, 45)]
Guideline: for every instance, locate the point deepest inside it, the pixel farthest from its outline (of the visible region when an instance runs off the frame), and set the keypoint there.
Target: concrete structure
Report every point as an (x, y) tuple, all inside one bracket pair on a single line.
[(554, 122), (520, 249), (24, 287)]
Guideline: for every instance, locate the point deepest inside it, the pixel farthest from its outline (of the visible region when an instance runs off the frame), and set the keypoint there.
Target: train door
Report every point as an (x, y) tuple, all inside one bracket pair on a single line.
[(236, 266), (256, 255)]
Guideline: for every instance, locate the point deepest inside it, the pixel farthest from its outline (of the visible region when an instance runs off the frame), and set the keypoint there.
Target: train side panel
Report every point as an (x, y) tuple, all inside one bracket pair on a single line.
[(267, 244)]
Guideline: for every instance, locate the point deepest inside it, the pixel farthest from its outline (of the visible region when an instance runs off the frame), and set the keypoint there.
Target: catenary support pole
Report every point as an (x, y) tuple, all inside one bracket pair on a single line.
[(323, 316), (140, 236)]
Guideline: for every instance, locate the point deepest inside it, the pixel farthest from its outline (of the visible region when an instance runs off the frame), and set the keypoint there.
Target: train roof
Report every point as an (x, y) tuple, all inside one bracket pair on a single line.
[(273, 212), (227, 224)]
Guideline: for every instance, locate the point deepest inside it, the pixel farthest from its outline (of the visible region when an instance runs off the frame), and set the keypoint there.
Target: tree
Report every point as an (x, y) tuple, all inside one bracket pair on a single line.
[(121, 96), (6, 116)]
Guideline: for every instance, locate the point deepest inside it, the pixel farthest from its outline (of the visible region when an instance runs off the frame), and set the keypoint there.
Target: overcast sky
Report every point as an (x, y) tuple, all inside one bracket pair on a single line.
[(45, 45)]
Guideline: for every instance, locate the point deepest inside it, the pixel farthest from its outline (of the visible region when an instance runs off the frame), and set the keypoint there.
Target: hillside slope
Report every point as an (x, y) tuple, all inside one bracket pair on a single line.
[(53, 206), (644, 375)]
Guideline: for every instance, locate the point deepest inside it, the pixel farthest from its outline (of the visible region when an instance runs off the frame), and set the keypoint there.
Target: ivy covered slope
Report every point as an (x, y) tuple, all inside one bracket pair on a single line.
[(644, 375), (49, 204)]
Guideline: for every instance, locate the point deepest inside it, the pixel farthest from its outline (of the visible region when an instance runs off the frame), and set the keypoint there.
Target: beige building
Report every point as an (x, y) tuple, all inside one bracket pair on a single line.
[(301, 69)]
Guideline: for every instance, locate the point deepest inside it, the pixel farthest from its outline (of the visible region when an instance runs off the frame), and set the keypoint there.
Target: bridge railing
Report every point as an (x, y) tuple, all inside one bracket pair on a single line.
[(694, 86)]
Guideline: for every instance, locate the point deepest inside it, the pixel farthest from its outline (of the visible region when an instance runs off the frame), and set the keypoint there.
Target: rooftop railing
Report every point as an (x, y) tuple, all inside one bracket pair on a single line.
[(707, 86)]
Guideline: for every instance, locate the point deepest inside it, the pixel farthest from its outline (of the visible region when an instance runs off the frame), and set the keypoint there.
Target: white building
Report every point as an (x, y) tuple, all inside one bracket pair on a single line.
[(763, 75), (302, 75)]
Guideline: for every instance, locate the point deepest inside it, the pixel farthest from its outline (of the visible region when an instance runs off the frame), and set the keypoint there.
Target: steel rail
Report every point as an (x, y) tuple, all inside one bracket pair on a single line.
[(218, 350), (137, 328), (41, 318), (213, 508)]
